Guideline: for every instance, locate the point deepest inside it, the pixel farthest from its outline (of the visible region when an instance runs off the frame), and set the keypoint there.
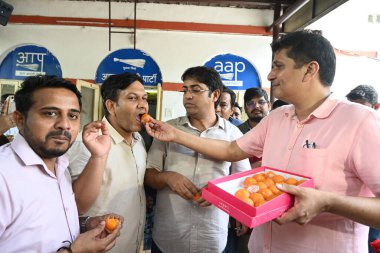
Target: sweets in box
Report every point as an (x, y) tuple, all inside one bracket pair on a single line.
[(223, 193)]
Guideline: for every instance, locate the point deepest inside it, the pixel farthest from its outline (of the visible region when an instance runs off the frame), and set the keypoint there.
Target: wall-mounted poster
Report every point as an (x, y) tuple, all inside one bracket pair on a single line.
[(28, 60), (236, 72), (130, 60)]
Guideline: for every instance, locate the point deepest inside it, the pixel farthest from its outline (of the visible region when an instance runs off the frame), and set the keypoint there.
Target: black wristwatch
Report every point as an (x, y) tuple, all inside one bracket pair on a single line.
[(83, 223)]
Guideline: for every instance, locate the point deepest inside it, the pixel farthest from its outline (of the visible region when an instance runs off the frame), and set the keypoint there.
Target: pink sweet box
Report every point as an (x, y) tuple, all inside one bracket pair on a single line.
[(220, 192)]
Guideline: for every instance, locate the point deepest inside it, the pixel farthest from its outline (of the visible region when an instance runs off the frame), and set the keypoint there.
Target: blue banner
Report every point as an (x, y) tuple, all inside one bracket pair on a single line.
[(236, 72), (130, 60), (29, 60)]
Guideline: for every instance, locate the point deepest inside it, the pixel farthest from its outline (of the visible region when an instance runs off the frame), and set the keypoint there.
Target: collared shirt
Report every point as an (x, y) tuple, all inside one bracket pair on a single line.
[(37, 208), (245, 127), (122, 191), (346, 138), (181, 225)]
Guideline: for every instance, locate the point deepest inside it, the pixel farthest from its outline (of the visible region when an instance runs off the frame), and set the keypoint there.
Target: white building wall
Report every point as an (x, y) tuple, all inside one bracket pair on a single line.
[(81, 49)]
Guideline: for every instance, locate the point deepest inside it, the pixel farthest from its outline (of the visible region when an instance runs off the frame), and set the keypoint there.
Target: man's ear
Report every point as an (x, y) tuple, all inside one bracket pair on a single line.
[(110, 106), (19, 120), (215, 95), (311, 71)]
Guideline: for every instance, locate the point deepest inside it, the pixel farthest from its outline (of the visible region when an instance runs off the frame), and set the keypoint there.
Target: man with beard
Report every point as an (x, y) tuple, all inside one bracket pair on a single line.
[(37, 206), (256, 106), (119, 186), (182, 222)]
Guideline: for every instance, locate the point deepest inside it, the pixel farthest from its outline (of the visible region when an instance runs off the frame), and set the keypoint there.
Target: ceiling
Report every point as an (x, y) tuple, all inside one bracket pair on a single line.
[(247, 4)]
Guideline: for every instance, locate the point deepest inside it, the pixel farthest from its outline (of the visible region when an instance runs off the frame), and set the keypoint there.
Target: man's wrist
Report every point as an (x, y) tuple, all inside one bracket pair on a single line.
[(65, 249), (83, 223)]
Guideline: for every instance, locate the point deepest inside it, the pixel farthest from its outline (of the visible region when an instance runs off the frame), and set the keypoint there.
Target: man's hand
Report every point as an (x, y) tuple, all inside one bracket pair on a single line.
[(180, 185), (198, 198), (6, 120), (241, 229), (93, 242), (160, 130), (93, 222), (308, 203), (97, 143)]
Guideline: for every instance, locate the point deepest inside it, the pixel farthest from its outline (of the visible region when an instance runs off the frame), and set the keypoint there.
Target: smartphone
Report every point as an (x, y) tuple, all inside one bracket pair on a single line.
[(11, 104)]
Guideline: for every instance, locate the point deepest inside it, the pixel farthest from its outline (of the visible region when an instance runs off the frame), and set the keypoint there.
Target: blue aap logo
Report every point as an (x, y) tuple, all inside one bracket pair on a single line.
[(235, 71)]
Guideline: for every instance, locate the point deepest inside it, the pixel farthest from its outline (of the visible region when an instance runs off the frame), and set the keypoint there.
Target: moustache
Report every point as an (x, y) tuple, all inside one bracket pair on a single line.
[(257, 110), (59, 133)]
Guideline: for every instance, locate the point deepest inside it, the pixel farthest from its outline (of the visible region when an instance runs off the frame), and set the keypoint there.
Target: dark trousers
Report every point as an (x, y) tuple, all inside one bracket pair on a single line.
[(155, 248)]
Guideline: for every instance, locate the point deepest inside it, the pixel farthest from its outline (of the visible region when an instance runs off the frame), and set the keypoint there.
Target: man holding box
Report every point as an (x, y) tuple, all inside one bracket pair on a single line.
[(328, 139), (183, 222)]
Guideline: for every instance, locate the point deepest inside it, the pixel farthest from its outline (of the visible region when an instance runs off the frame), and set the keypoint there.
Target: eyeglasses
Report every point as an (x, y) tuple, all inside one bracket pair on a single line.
[(192, 91), (252, 104)]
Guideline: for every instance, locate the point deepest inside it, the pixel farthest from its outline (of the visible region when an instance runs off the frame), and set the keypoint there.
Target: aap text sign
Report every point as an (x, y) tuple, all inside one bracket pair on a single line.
[(236, 72), (29, 60), (130, 60)]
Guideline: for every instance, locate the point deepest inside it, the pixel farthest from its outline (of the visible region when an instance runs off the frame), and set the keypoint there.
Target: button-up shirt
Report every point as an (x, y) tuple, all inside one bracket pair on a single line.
[(37, 208), (122, 190), (338, 145), (181, 225)]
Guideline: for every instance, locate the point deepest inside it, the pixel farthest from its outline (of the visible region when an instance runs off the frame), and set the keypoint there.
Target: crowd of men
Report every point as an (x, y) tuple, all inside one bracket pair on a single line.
[(58, 186)]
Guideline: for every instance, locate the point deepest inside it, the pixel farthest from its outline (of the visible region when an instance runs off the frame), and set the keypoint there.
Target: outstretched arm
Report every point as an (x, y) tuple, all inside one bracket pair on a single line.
[(311, 202), (216, 149), (88, 184)]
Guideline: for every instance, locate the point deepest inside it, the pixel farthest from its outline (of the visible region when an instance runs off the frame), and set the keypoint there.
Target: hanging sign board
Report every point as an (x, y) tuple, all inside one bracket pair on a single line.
[(29, 60), (236, 72), (130, 60)]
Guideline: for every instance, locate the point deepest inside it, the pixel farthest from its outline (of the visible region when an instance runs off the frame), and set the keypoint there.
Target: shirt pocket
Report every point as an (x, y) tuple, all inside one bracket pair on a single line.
[(312, 163)]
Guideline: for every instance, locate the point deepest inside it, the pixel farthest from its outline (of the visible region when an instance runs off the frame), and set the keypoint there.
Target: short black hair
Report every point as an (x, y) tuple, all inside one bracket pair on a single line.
[(114, 84), (364, 92), (255, 92), (278, 103), (236, 104), (232, 95), (306, 46), (208, 76), (24, 96)]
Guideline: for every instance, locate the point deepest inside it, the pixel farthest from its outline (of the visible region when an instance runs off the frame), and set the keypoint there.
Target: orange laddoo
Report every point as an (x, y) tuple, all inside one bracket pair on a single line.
[(242, 194), (291, 181), (249, 181), (145, 118), (111, 224)]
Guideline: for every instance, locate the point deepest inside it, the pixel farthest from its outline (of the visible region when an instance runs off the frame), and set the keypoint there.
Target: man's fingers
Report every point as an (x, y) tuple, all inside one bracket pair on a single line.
[(98, 229), (291, 189), (111, 245), (288, 216)]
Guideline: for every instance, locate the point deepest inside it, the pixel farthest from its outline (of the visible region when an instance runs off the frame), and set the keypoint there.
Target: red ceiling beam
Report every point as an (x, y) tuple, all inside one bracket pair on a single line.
[(140, 24)]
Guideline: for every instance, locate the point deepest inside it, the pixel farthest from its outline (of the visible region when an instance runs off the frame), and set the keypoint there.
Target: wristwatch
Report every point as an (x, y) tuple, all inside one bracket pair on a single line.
[(83, 223)]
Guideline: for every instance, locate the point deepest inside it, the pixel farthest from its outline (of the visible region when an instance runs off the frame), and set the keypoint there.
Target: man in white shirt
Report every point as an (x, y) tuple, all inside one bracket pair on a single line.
[(182, 223), (119, 187)]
